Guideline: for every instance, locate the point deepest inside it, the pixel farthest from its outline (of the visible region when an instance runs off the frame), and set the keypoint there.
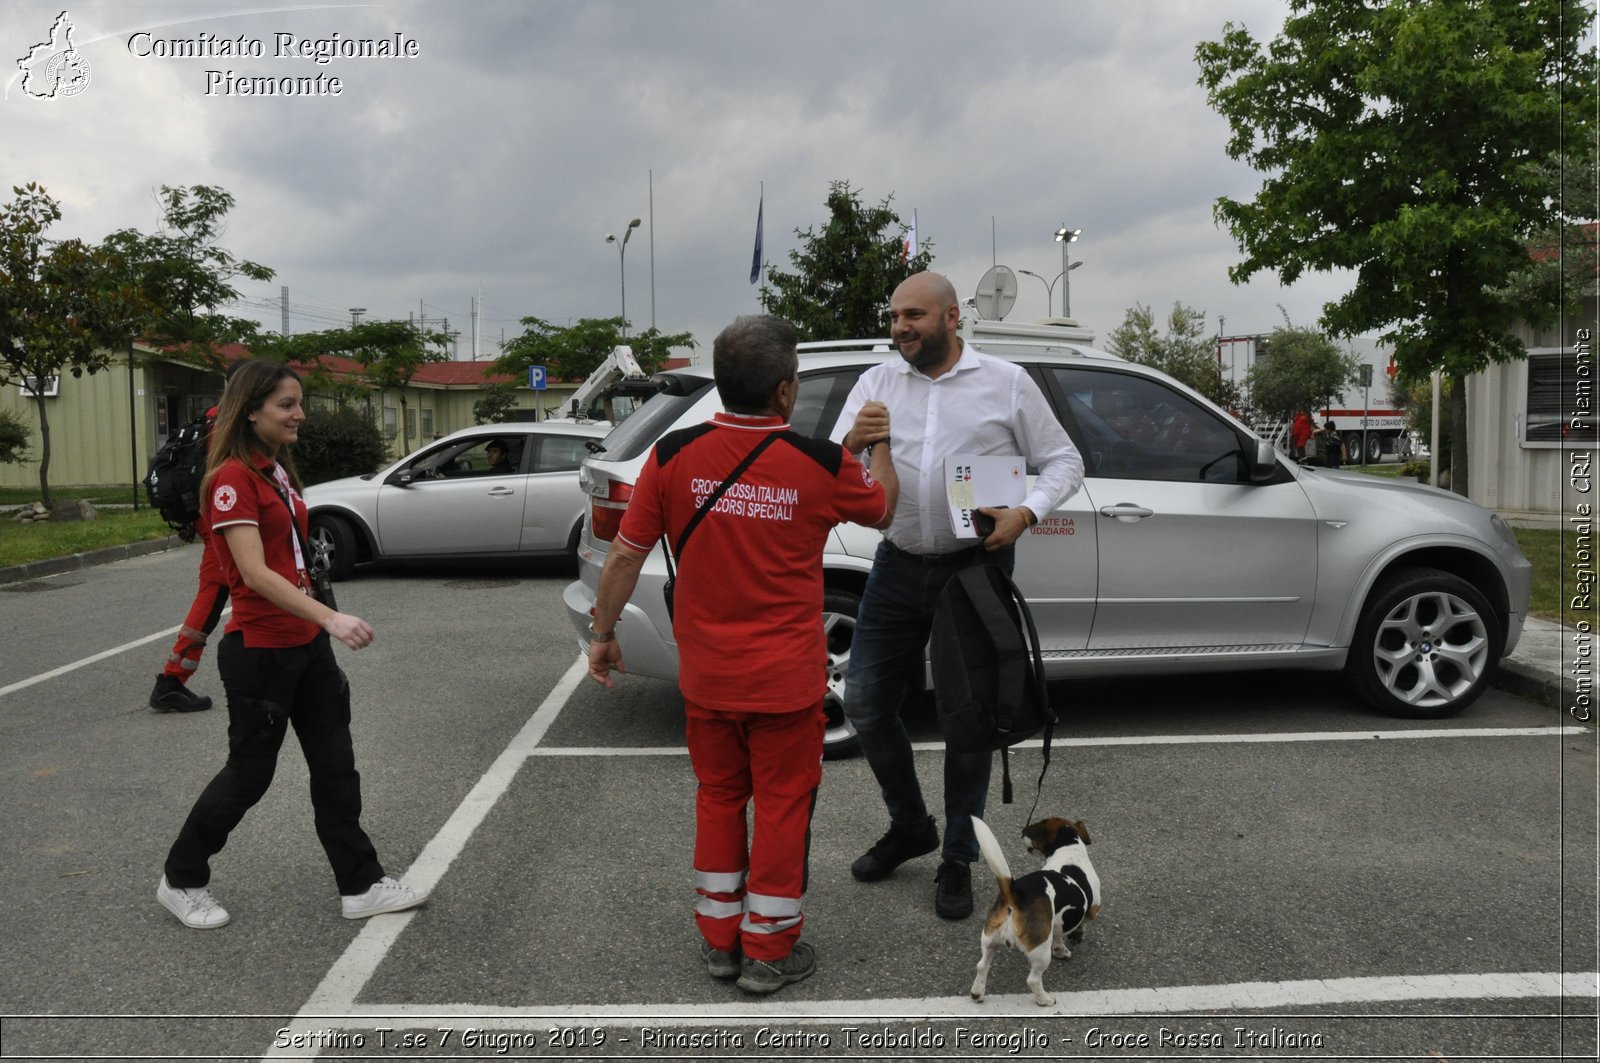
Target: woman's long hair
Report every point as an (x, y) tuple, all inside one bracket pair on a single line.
[(249, 386)]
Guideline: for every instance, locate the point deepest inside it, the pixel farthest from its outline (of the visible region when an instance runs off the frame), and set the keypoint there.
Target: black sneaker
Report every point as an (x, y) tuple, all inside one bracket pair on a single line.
[(952, 890), (895, 848), (172, 696), (769, 976)]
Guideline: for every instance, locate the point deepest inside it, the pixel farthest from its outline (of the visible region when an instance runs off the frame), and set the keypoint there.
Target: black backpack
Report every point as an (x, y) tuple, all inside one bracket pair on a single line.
[(988, 675), (176, 469)]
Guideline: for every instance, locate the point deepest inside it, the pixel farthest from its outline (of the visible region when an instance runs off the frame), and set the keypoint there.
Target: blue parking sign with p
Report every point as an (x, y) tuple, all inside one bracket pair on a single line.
[(536, 377)]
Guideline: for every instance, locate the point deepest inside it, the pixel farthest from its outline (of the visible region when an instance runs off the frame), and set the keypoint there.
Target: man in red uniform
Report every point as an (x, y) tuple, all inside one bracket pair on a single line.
[(1300, 433), (751, 649)]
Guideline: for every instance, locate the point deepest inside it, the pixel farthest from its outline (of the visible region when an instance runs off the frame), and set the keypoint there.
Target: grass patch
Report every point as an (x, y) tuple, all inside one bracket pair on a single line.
[(1542, 547), (117, 494), (21, 543)]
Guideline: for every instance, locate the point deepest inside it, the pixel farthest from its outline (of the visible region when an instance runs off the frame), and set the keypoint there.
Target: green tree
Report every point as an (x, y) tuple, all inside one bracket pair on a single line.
[(390, 353), (1186, 352), (497, 401), (337, 443), (1302, 370), (1409, 141), (14, 436), (63, 304), (843, 276), (572, 352), (186, 278)]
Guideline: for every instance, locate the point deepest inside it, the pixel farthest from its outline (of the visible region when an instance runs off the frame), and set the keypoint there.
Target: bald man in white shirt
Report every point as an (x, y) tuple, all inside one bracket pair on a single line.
[(946, 398)]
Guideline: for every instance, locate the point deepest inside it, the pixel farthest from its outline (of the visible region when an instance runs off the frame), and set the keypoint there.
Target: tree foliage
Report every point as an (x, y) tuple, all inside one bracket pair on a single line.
[(390, 353), (337, 443), (186, 278), (1411, 142), (1186, 352), (1302, 369), (63, 304), (14, 436), (844, 274), (496, 402), (572, 352)]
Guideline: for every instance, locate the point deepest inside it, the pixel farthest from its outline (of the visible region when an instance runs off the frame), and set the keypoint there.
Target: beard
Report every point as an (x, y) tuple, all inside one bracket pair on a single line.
[(934, 349)]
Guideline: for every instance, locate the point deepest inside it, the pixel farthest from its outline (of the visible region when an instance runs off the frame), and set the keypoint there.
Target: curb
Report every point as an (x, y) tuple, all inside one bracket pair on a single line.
[(30, 570), (1543, 685)]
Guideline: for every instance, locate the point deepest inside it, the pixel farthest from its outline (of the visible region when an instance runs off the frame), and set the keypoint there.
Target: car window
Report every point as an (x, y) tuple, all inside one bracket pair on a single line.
[(561, 453), (641, 430), (465, 457), (1135, 428), (822, 396)]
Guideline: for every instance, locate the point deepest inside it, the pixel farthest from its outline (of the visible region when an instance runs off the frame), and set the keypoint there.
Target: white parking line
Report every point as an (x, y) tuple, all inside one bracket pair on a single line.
[(333, 1001), (1157, 1000), (1137, 740), (84, 662)]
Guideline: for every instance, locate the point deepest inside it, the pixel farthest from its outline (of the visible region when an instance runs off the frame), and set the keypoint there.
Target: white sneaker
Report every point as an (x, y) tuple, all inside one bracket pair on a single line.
[(386, 895), (195, 908)]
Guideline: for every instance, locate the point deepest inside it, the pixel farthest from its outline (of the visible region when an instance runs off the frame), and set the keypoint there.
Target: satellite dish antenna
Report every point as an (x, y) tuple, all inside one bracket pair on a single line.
[(996, 292)]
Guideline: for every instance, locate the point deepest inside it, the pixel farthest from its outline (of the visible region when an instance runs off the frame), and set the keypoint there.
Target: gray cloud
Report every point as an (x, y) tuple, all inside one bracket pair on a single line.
[(528, 129)]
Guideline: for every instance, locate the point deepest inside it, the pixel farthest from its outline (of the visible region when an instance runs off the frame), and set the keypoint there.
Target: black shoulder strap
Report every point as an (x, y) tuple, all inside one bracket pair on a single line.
[(727, 482)]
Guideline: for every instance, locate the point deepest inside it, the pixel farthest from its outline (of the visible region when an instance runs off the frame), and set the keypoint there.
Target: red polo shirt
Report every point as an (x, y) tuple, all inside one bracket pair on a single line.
[(241, 495), (749, 591)]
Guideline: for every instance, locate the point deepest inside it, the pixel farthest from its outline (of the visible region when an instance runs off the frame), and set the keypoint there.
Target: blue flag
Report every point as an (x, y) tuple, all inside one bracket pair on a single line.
[(755, 261)]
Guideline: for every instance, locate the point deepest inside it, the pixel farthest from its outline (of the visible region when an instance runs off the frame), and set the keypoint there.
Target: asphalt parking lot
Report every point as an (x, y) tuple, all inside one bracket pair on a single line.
[(1285, 874)]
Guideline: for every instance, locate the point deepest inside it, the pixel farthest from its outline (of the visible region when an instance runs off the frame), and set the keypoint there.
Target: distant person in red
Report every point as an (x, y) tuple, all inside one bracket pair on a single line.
[(171, 694), (1300, 433)]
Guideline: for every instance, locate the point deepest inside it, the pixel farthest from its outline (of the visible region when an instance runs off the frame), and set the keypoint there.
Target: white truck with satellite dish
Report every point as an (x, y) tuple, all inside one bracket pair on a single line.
[(984, 322)]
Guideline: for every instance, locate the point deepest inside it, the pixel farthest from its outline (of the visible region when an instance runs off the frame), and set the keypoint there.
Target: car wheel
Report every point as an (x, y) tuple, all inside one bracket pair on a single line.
[(1425, 645), (334, 535), (839, 608)]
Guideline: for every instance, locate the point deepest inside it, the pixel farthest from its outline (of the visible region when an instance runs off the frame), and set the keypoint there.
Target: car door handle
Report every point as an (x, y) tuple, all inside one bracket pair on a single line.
[(1126, 511), (501, 492)]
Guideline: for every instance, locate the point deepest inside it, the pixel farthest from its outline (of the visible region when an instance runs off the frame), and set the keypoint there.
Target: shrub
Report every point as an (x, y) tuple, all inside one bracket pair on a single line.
[(338, 443), (14, 436), (1419, 469)]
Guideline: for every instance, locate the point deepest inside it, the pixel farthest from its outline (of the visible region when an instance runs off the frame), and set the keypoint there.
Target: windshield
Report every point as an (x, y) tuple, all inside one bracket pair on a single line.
[(636, 435)]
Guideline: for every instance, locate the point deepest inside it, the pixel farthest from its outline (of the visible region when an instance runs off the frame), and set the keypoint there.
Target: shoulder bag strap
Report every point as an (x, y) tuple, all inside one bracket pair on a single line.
[(727, 482)]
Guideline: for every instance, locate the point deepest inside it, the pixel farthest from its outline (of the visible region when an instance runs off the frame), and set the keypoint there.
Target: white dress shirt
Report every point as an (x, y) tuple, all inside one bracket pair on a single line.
[(983, 405)]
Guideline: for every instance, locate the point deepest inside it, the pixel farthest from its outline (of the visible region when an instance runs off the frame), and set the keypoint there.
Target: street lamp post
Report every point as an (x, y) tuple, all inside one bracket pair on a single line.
[(622, 267), (1049, 287), (1065, 236)]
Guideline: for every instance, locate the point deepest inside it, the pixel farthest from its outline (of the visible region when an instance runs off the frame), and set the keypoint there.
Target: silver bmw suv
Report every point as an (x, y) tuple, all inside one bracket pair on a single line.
[(1192, 547)]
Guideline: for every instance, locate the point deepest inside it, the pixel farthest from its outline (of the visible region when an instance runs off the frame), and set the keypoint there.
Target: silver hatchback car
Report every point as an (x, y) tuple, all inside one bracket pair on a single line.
[(1192, 546), (460, 498)]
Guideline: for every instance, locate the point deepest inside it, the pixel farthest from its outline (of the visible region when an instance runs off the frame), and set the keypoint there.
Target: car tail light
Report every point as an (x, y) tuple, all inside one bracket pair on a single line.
[(605, 514)]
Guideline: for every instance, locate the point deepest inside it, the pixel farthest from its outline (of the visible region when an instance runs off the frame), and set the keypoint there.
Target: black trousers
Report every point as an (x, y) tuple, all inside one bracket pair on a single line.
[(268, 690)]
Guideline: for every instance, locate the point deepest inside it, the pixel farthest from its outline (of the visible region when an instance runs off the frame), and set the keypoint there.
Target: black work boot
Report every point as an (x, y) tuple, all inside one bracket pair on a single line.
[(895, 848), (170, 695)]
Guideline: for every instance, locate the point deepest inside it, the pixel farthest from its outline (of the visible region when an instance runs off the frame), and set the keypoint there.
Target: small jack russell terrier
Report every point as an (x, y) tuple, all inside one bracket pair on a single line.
[(1040, 912)]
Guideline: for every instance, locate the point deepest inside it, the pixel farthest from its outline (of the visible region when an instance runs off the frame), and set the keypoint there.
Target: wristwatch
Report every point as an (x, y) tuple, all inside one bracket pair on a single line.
[(596, 636)]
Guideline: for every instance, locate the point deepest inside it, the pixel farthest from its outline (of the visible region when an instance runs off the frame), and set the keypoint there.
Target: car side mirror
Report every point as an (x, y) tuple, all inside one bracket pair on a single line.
[(1264, 462)]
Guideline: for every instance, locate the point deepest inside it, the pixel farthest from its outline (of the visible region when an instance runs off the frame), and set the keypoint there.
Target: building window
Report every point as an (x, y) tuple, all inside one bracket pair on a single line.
[(411, 422), (390, 423), (1560, 398), (427, 424)]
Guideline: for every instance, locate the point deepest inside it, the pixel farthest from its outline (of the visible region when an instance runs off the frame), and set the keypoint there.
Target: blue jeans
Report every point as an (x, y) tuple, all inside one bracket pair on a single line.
[(887, 666)]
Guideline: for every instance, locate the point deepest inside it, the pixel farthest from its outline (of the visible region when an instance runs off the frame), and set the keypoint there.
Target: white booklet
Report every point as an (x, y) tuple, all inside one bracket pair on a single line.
[(988, 480)]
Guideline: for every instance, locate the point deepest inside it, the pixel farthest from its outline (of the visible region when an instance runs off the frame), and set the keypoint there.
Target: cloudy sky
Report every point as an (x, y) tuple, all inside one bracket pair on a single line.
[(497, 158)]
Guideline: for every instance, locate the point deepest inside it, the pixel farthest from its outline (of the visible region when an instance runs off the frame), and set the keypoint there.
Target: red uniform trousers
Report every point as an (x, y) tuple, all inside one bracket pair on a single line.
[(204, 613), (750, 892)]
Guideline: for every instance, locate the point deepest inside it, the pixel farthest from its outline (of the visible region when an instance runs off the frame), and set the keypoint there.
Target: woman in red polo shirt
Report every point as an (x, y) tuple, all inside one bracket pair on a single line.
[(276, 661)]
